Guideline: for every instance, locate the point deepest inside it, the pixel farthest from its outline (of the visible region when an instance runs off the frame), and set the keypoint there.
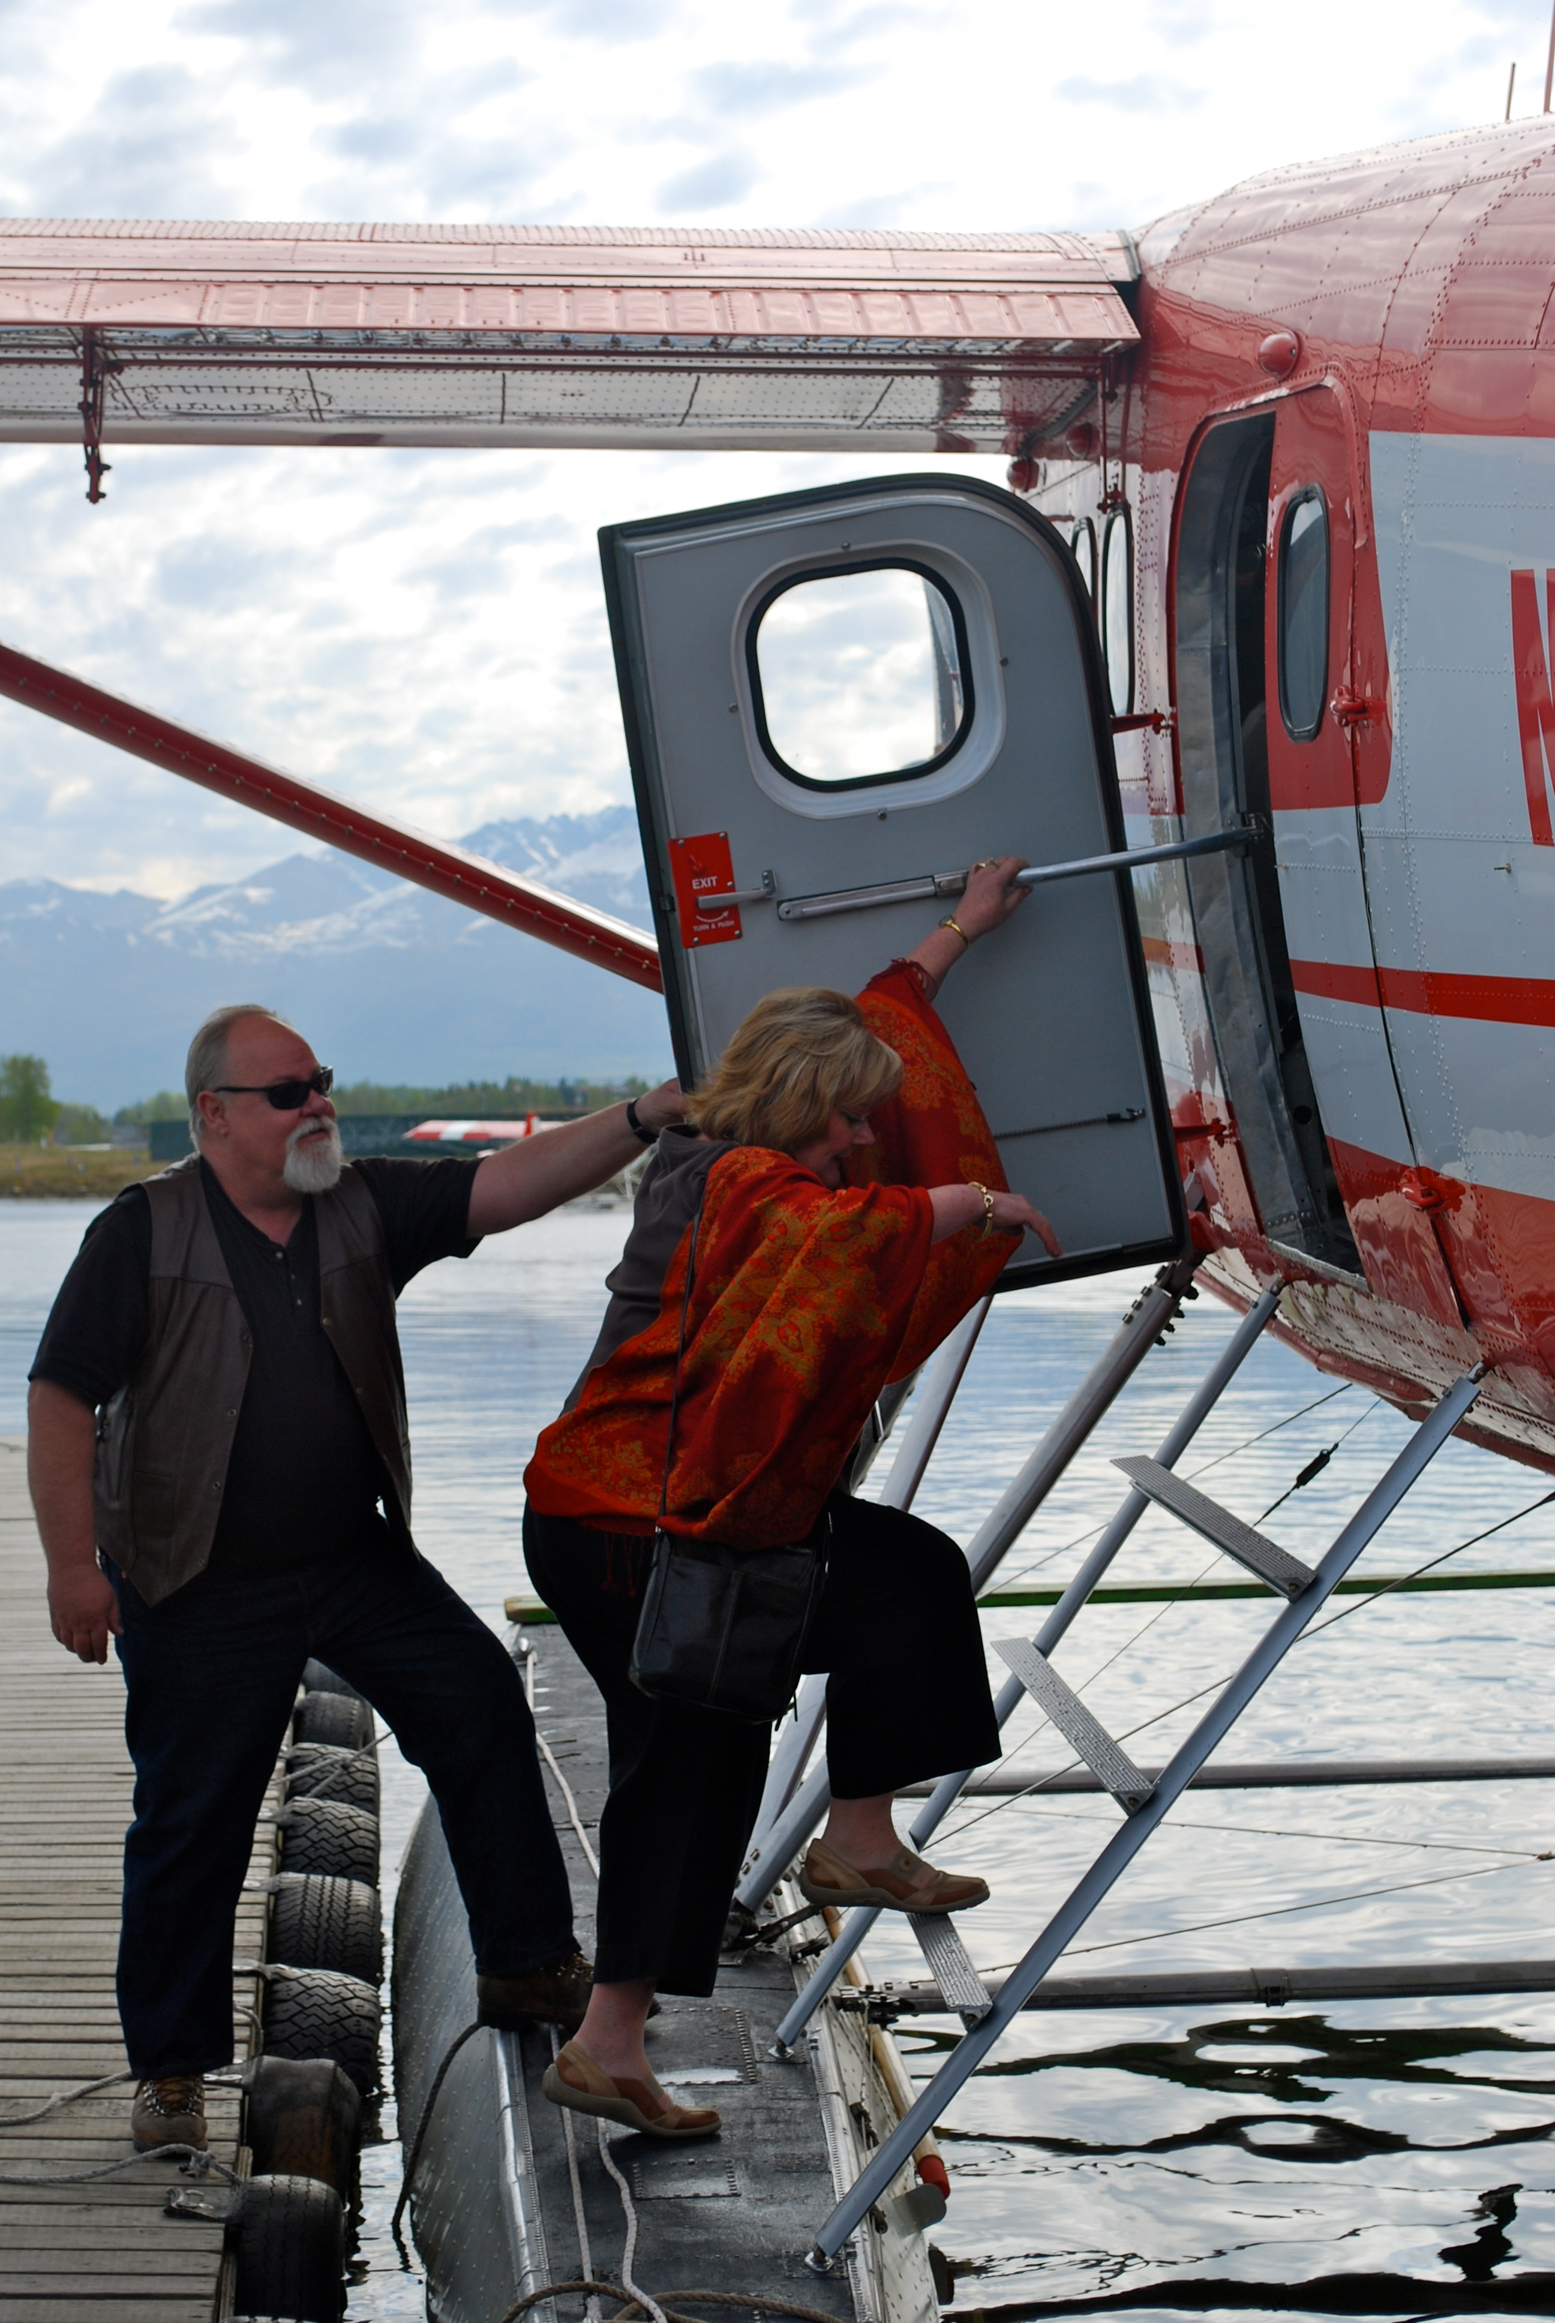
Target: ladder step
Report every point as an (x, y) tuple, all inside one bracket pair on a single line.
[(960, 1986), (1255, 1550), (1111, 1764)]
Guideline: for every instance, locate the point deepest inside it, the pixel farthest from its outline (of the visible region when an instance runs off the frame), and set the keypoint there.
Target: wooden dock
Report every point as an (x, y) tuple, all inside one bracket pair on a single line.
[(104, 2250)]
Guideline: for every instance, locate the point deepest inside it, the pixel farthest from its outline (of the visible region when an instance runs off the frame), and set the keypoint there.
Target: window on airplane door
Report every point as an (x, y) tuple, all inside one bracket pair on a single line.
[(861, 676), (1303, 615), (1117, 599)]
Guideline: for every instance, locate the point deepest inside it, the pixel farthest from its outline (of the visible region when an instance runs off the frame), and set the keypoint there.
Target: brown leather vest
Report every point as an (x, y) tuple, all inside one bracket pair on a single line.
[(165, 1440)]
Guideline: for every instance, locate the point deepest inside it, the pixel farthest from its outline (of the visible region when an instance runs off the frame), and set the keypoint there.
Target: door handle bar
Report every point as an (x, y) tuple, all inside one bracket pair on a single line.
[(935, 884), (765, 893)]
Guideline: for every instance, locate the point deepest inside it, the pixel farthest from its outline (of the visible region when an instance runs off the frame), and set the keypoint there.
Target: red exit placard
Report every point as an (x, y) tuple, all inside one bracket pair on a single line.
[(701, 867)]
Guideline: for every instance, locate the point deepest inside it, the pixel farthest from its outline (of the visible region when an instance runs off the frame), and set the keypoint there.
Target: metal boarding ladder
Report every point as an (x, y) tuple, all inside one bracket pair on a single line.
[(972, 2000), (1145, 1804), (792, 1808)]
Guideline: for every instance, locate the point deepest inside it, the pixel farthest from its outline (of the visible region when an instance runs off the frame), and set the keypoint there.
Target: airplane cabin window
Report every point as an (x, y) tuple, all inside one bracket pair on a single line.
[(1117, 601), (860, 676), (1303, 615), (1085, 556)]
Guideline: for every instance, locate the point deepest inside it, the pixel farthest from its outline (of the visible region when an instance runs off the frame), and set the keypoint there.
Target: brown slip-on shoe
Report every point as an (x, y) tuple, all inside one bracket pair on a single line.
[(557, 1995), (577, 2082), (901, 1887), (170, 2112)]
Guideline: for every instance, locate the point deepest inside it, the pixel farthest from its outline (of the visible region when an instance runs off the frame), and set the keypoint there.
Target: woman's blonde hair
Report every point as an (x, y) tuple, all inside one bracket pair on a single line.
[(798, 1057)]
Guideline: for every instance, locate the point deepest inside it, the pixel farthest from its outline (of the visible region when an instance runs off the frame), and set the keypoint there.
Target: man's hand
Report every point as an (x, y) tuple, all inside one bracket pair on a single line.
[(557, 1165), (61, 1447), (661, 1106), (84, 1610)]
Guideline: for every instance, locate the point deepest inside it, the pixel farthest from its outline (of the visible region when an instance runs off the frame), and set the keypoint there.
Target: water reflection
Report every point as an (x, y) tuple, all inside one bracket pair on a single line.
[(1234, 2165), (1372, 2159)]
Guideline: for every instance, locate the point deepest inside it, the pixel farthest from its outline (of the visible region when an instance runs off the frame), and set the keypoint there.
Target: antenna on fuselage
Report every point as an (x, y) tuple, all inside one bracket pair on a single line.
[(1549, 69), (1511, 83)]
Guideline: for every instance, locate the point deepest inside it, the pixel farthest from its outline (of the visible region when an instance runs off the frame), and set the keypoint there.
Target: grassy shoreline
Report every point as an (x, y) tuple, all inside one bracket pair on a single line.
[(53, 1173)]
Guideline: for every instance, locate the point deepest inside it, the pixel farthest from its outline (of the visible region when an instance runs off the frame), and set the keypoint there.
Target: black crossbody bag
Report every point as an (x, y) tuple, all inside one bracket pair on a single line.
[(722, 1628)]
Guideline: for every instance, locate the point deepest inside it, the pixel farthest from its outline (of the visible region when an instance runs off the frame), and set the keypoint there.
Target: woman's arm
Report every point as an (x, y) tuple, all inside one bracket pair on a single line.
[(957, 1207), (989, 900)]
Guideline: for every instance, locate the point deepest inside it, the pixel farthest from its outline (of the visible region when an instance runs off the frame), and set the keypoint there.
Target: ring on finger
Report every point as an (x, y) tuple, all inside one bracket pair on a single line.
[(986, 864)]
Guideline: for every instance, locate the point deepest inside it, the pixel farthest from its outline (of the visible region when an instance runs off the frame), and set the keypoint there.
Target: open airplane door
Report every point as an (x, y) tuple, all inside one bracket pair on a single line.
[(836, 701)]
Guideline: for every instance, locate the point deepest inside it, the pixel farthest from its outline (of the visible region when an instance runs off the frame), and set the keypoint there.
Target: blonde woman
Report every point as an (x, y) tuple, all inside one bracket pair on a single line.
[(849, 1208)]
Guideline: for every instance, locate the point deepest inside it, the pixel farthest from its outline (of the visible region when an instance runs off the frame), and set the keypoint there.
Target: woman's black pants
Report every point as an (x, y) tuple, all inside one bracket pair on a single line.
[(906, 1699)]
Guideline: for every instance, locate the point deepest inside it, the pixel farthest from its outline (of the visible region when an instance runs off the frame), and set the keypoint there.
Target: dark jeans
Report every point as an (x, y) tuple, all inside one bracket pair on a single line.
[(907, 1699), (212, 1674)]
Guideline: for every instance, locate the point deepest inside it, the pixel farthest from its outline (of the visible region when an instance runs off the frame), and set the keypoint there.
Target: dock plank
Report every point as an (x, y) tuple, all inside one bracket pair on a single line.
[(80, 2253)]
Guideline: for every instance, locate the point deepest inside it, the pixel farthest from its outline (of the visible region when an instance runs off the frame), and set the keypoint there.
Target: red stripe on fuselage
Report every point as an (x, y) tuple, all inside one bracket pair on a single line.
[(1428, 992)]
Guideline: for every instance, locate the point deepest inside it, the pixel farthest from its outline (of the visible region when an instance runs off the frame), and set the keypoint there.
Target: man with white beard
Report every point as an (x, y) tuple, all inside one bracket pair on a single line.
[(220, 1463)]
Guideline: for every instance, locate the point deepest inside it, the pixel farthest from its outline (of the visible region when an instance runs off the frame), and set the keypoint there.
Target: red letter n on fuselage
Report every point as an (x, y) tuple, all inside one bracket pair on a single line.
[(1535, 703)]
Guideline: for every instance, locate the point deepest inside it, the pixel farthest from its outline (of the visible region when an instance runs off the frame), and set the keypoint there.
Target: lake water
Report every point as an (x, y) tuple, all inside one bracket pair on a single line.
[(1176, 2161)]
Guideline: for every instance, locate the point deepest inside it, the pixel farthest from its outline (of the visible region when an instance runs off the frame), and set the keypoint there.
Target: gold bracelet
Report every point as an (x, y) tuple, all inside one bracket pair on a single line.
[(950, 921), (987, 1206)]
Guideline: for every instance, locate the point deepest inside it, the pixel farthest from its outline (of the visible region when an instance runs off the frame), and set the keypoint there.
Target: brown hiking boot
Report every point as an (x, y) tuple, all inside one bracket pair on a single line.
[(907, 1884), (576, 2082), (170, 2112), (557, 1995)]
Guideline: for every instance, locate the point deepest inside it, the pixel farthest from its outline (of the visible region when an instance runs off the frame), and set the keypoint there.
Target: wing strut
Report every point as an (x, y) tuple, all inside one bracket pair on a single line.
[(286, 798)]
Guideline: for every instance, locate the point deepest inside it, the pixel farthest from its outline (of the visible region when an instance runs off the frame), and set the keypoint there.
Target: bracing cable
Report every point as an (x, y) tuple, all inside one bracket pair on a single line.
[(1383, 1589), (1319, 1461), (1191, 1474), (1316, 1904)]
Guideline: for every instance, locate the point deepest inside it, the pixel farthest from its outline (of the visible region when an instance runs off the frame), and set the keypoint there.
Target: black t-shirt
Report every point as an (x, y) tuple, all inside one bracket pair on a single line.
[(304, 1478)]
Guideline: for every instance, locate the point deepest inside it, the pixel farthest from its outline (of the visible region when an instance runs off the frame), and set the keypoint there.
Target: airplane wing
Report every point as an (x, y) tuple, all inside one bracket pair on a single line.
[(550, 335)]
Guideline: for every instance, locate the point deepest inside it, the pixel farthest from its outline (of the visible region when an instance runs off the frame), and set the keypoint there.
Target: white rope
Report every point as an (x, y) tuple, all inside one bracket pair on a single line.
[(591, 2305), (649, 2306), (198, 2162), (64, 2097), (573, 1817), (525, 1653)]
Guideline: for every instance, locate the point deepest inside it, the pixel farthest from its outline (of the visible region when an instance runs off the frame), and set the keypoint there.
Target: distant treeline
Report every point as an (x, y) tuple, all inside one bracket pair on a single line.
[(30, 1114), (470, 1099)]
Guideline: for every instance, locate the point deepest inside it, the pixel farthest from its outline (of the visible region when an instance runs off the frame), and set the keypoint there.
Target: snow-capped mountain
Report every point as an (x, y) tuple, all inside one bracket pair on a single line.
[(388, 983)]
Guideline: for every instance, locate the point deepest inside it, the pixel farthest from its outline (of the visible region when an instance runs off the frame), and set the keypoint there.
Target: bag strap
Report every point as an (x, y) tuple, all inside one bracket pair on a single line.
[(680, 1352)]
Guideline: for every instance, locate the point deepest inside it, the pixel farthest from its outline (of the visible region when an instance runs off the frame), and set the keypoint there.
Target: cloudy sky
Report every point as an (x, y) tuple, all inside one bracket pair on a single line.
[(425, 630)]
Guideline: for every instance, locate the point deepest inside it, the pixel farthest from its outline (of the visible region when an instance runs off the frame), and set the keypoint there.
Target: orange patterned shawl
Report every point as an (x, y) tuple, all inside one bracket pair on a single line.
[(805, 1303)]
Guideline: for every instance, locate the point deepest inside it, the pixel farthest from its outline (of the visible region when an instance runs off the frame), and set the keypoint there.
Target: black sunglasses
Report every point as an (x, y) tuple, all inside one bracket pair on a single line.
[(285, 1096)]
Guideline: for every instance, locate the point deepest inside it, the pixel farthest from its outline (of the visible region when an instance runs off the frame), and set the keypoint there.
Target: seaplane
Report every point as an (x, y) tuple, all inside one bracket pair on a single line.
[(1252, 657)]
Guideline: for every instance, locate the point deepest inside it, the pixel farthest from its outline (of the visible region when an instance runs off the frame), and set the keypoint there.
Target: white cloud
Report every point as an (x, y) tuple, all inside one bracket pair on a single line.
[(426, 630), (423, 632)]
